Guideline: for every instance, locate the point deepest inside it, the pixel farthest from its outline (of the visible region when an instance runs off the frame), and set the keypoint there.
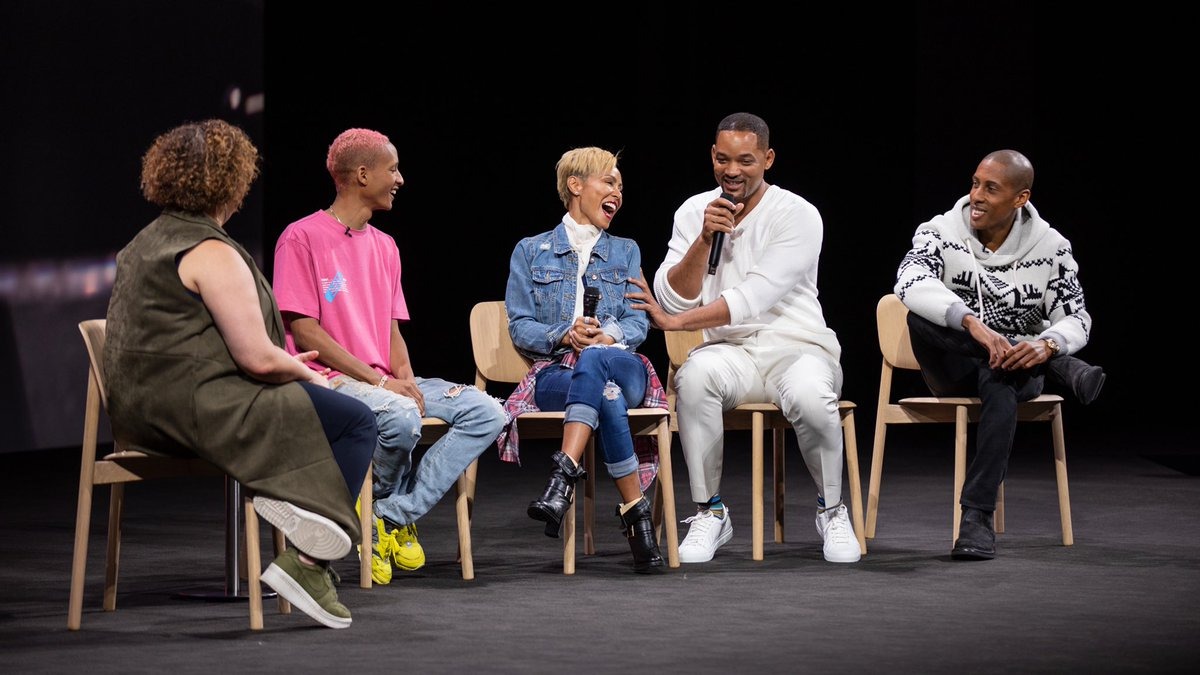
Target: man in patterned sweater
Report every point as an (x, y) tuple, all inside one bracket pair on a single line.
[(995, 306)]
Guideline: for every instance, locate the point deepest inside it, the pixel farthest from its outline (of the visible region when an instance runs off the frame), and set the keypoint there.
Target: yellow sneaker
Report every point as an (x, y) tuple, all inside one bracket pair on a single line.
[(407, 553), (382, 544)]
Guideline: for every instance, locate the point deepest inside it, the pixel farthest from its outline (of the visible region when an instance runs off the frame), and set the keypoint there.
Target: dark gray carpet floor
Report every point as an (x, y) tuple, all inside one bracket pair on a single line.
[(1122, 599)]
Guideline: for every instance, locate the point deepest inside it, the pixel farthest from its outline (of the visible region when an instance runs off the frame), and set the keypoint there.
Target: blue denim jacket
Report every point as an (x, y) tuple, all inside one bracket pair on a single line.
[(540, 297)]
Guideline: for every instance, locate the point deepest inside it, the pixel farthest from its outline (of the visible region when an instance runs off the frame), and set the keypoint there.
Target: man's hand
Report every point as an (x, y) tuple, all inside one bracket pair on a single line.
[(1001, 354), (997, 345), (645, 301), (1025, 355), (409, 388)]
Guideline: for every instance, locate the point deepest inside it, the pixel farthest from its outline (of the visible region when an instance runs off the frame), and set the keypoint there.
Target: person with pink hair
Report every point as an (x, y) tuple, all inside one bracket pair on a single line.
[(338, 281)]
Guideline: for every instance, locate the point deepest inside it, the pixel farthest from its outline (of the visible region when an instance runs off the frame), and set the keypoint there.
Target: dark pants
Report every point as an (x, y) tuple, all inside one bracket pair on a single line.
[(349, 427), (954, 364)]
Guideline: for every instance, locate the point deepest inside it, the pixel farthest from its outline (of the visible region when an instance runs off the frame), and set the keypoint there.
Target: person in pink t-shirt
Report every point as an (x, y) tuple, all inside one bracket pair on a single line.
[(337, 281)]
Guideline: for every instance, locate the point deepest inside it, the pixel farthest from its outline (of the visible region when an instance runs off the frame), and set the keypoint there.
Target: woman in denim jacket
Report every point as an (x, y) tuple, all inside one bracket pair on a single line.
[(583, 347)]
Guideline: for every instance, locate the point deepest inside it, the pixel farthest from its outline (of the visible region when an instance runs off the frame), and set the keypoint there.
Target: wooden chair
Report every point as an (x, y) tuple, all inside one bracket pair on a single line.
[(757, 418), (123, 466), (432, 429), (894, 342), (497, 360)]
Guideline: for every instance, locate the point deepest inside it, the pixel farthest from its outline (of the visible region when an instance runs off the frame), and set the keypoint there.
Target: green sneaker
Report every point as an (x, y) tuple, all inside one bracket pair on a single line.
[(308, 587), (407, 553), (382, 544)]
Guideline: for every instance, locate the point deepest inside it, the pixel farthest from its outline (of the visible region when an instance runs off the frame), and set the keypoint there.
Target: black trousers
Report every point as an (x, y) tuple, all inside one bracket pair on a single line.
[(954, 364), (349, 427)]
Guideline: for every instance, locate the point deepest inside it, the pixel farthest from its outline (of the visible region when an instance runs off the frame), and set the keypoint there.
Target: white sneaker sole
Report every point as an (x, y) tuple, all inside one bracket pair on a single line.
[(846, 556), (286, 586), (312, 533)]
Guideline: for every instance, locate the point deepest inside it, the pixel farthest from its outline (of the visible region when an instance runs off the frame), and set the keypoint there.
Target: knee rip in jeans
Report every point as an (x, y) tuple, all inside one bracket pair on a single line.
[(454, 391), (612, 391)]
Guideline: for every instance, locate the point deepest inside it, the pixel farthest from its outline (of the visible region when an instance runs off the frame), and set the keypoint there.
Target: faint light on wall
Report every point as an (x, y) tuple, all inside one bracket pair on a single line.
[(238, 101), (71, 279)]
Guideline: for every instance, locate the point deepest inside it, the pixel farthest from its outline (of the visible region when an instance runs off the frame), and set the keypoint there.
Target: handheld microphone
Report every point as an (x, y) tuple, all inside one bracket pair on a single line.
[(591, 298), (718, 242)]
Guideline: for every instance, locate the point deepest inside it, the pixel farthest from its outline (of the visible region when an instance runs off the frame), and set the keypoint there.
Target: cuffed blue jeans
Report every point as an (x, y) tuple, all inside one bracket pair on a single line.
[(605, 383), (954, 364), (403, 493)]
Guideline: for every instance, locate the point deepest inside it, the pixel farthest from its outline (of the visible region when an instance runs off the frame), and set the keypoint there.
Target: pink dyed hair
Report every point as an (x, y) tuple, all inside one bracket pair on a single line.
[(351, 149)]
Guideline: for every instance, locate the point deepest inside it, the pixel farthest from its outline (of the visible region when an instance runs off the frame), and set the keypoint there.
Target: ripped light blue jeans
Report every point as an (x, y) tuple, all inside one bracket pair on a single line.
[(605, 383), (403, 493)]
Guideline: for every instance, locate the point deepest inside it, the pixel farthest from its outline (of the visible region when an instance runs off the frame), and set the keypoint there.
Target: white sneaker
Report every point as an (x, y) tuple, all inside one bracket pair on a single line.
[(316, 535), (833, 525), (706, 534)]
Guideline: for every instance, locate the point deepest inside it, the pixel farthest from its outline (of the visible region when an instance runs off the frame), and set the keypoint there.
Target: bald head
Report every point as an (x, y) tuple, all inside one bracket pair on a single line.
[(1018, 171)]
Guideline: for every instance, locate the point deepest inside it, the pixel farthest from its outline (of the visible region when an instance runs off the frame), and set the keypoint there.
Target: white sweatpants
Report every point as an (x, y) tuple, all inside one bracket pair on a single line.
[(804, 380)]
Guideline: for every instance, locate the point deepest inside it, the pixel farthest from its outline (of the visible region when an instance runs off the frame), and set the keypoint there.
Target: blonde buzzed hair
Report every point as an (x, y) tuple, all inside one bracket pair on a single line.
[(582, 162)]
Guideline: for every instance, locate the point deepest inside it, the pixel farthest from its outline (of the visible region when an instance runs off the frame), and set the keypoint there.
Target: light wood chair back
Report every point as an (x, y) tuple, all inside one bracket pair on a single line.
[(123, 466), (757, 418), (896, 347), (498, 361)]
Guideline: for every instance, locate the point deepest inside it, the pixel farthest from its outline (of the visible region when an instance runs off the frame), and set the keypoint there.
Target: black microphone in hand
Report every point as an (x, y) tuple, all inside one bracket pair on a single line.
[(718, 242), (591, 298)]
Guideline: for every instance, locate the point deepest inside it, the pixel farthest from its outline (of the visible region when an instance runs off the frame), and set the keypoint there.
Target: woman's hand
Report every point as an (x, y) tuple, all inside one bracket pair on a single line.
[(585, 332), (319, 378)]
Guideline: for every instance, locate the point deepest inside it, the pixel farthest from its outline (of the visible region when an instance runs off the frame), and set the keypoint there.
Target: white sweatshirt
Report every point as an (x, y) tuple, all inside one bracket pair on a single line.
[(1027, 289), (767, 273)]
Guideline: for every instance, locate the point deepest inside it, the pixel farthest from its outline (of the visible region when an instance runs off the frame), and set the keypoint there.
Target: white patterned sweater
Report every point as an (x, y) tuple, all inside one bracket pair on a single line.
[(1027, 289)]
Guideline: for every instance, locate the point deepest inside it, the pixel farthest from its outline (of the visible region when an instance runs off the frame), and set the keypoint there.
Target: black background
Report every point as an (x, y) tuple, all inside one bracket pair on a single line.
[(878, 117)]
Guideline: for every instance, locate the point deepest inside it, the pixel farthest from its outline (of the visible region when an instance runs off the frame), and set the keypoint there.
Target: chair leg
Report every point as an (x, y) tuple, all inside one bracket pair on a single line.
[(778, 440), (568, 536), (253, 562), (280, 544), (756, 484), (366, 522), (116, 508), (83, 524), (876, 475), (464, 504), (1060, 472), (589, 498), (665, 492), (960, 463), (998, 514), (856, 508)]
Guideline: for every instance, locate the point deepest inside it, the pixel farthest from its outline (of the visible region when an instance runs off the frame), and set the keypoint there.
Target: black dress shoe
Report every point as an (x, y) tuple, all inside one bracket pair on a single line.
[(1084, 381), (976, 537)]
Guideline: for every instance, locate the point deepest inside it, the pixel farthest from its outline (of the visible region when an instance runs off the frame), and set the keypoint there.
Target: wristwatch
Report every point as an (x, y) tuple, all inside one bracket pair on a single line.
[(1052, 345)]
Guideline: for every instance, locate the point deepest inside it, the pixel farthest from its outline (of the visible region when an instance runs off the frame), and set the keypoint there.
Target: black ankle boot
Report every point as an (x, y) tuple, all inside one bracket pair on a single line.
[(555, 501), (1081, 379), (976, 538), (639, 529)]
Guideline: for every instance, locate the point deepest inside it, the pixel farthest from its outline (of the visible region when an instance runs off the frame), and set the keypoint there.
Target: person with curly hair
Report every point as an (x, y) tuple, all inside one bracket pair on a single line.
[(196, 365)]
